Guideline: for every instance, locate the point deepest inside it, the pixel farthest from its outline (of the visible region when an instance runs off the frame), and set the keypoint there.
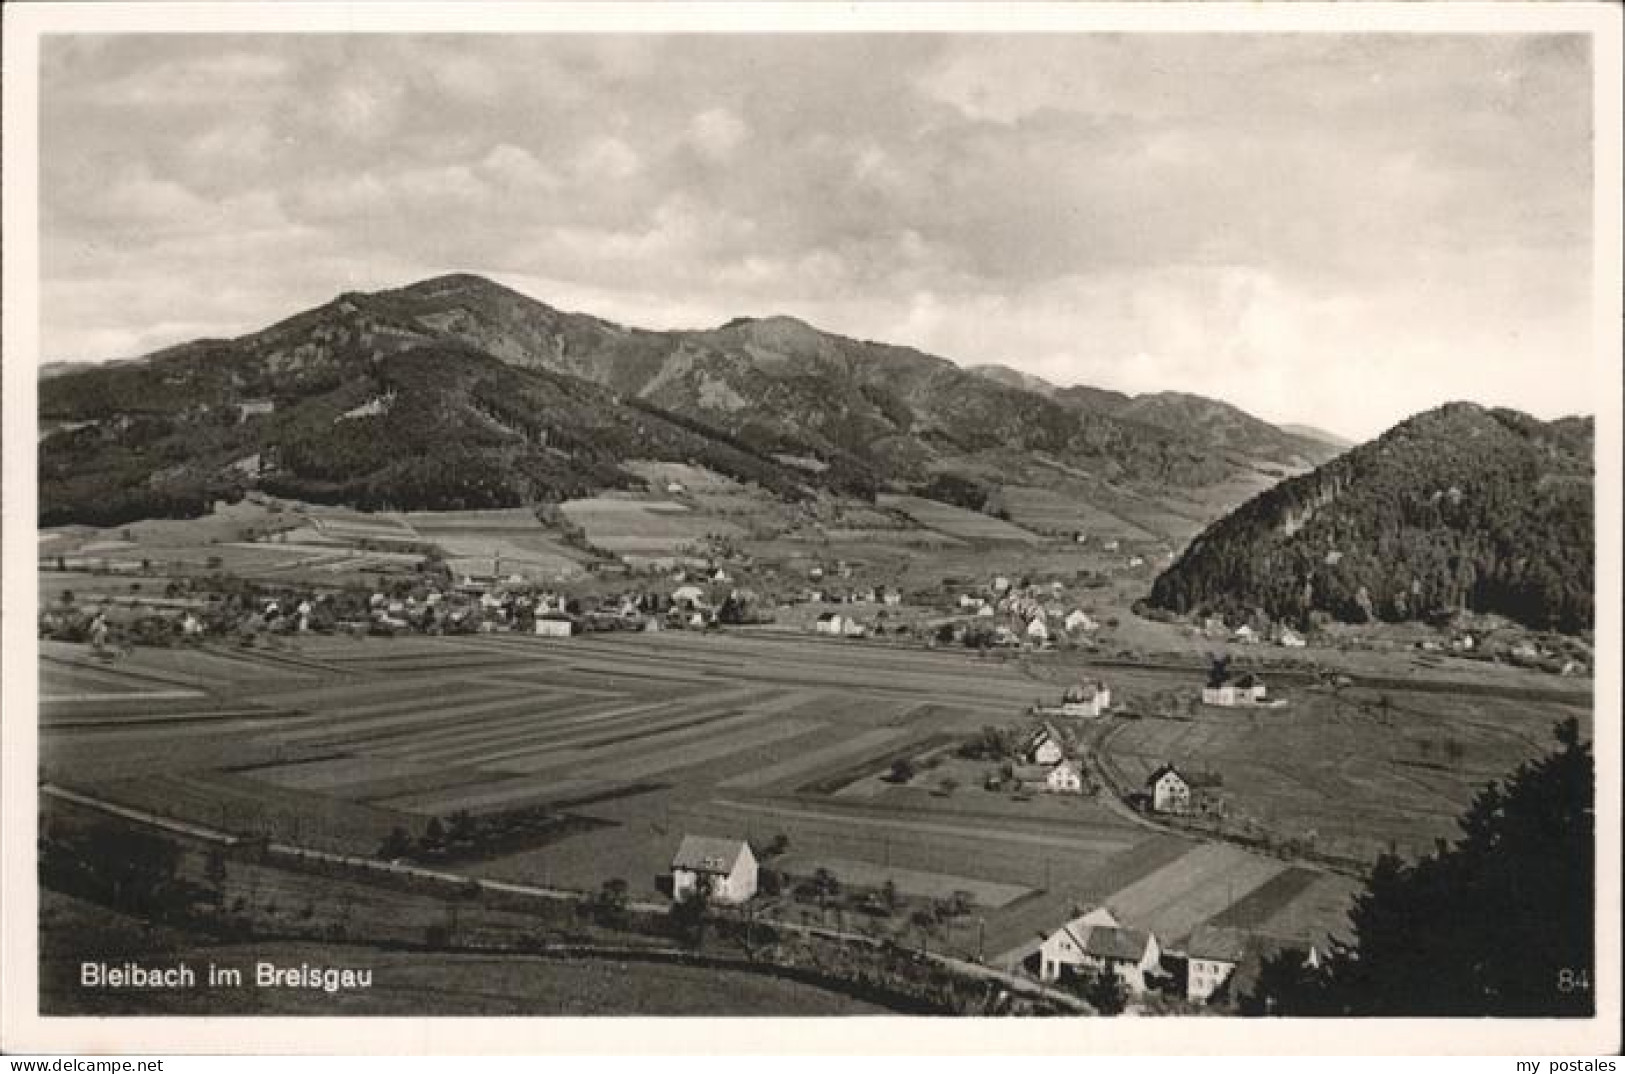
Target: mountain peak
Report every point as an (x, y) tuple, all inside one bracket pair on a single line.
[(452, 281)]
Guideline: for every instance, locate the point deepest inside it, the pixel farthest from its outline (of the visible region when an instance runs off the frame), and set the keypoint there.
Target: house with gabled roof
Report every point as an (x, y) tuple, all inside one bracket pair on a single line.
[(1170, 791), (1044, 746), (724, 868), (1211, 957), (1096, 942), (1063, 778), (1078, 619), (1223, 964)]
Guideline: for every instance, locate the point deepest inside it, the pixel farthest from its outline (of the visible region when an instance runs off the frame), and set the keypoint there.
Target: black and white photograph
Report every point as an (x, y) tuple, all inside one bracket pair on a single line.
[(702, 514)]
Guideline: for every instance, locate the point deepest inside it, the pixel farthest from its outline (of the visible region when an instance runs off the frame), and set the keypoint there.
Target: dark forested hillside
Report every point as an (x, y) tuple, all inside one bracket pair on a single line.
[(1456, 508)]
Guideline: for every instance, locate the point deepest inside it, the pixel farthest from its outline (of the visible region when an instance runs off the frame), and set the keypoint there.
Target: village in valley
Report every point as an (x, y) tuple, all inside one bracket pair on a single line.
[(1013, 775)]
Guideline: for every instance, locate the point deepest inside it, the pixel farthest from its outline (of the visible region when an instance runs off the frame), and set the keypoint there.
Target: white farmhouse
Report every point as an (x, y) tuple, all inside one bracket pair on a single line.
[(1246, 690), (1064, 778), (1170, 791), (554, 625), (833, 623), (1096, 942), (1211, 958), (1038, 630), (724, 868), (1044, 747)]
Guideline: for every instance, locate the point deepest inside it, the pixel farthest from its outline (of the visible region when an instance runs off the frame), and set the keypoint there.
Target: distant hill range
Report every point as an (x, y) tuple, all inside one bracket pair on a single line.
[(1458, 508), (1216, 424), (457, 392)]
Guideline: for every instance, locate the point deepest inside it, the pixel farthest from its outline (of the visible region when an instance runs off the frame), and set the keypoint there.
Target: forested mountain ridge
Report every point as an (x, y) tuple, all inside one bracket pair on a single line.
[(1457, 508), (457, 391), (1217, 424)]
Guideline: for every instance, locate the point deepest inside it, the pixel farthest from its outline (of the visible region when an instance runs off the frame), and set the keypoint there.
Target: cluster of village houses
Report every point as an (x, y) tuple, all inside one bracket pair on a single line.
[(1032, 615), (1210, 967)]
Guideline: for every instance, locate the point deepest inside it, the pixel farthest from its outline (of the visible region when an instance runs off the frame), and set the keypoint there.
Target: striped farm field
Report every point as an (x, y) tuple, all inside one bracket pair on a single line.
[(1046, 511), (632, 741), (1268, 899), (1193, 888), (621, 525), (957, 521), (337, 772), (872, 741), (490, 795)]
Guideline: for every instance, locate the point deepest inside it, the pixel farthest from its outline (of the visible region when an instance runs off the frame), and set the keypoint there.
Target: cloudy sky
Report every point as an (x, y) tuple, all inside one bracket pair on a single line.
[(1339, 230)]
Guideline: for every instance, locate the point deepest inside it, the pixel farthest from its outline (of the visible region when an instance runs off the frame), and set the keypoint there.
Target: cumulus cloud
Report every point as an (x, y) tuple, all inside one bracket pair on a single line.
[(1280, 221)]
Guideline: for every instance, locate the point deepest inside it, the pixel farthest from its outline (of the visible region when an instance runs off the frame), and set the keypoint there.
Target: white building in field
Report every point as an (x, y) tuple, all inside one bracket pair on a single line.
[(1291, 639), (832, 623), (1064, 778), (554, 626), (726, 868), (1044, 747), (1088, 699), (690, 595), (1078, 619), (1038, 630), (1246, 690), (1170, 791), (1096, 942)]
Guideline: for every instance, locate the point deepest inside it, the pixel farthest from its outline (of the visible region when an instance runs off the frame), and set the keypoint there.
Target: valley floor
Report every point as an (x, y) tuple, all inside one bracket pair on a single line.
[(634, 740)]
